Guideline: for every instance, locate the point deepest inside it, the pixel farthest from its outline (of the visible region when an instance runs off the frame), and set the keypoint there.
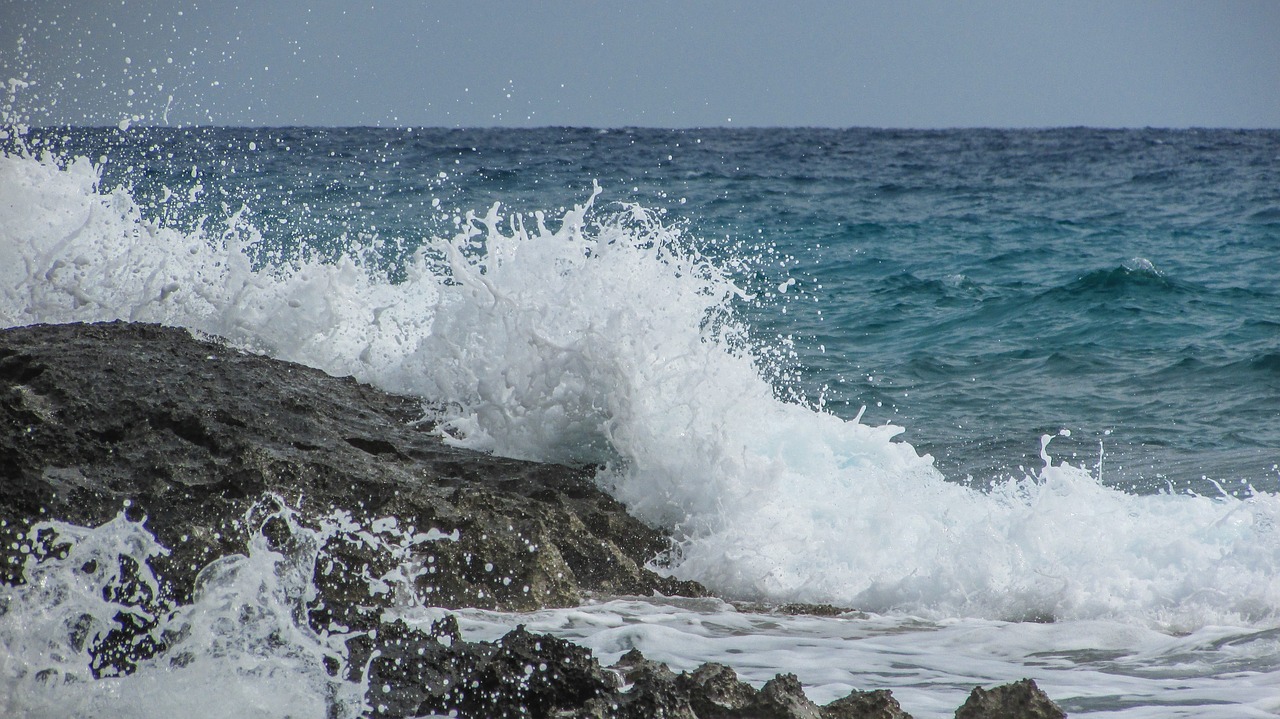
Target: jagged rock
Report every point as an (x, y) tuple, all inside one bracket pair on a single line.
[(214, 447), (528, 675), (783, 698), (414, 673), (715, 691), (1019, 700), (877, 704)]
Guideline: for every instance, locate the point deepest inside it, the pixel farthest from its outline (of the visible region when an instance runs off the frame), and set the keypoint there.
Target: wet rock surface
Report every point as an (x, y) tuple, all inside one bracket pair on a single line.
[(218, 450), (1019, 700), (193, 433)]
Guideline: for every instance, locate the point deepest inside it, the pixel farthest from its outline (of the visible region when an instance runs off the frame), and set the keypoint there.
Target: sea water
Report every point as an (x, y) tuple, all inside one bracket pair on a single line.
[(1013, 395)]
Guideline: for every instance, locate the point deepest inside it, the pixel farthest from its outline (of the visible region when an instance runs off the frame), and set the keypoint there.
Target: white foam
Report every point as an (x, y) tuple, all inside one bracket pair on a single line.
[(242, 647), (238, 650), (74, 254), (604, 338)]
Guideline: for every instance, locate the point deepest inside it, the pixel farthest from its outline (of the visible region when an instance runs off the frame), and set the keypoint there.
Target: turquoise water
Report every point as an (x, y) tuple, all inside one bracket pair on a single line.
[(977, 287)]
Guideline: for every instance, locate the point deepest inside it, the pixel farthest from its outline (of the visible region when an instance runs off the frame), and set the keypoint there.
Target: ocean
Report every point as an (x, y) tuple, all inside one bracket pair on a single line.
[(1014, 395)]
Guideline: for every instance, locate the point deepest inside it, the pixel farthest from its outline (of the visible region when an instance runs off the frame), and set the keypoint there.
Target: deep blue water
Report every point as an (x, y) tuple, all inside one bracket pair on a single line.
[(978, 287)]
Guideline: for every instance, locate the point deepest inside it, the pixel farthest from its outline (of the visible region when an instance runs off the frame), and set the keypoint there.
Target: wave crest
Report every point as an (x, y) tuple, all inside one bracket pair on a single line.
[(605, 337)]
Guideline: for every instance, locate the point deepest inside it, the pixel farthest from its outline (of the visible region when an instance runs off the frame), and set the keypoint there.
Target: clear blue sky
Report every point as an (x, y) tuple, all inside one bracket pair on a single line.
[(989, 63)]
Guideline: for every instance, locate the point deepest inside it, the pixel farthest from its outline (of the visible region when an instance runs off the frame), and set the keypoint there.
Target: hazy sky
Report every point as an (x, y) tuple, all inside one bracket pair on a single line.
[(1107, 63)]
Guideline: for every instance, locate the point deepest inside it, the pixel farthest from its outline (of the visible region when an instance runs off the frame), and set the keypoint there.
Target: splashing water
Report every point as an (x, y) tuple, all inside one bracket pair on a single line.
[(243, 646), (227, 652), (604, 338)]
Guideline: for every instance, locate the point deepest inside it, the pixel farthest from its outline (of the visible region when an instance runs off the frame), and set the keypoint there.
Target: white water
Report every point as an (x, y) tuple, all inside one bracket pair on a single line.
[(235, 651), (604, 339)]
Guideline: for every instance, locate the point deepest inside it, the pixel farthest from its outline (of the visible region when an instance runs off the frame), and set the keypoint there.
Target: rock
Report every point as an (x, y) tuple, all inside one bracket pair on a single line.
[(653, 691), (783, 698), (877, 704), (796, 609), (716, 691), (414, 673), (217, 449), (192, 434), (1019, 700), (527, 675)]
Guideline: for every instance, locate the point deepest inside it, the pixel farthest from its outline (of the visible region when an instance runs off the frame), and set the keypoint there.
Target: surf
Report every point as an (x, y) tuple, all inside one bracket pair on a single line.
[(601, 335)]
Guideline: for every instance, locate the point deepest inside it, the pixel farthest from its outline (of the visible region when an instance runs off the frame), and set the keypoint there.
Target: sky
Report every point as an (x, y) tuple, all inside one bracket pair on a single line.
[(657, 63)]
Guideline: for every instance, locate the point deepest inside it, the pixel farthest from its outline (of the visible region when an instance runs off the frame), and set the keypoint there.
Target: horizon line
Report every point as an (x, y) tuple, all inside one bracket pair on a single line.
[(660, 128)]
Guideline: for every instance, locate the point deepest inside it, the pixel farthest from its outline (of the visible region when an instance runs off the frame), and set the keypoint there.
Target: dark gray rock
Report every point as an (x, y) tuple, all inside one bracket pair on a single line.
[(783, 698), (413, 673), (213, 447), (1019, 700), (653, 691), (877, 704), (192, 433), (714, 691)]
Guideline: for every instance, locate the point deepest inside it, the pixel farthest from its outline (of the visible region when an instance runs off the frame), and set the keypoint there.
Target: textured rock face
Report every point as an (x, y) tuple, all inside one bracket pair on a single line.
[(1019, 700), (220, 450), (193, 433), (520, 675), (217, 449), (713, 691)]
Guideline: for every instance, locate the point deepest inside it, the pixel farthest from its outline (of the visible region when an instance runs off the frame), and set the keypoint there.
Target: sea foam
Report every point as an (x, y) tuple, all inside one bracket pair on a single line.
[(603, 337), (240, 648)]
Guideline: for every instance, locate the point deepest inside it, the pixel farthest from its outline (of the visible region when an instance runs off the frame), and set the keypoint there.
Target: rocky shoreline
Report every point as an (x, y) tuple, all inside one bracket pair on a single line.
[(217, 448)]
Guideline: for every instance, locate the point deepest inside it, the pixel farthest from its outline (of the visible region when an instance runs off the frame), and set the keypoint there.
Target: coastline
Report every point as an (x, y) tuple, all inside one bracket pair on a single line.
[(216, 453)]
